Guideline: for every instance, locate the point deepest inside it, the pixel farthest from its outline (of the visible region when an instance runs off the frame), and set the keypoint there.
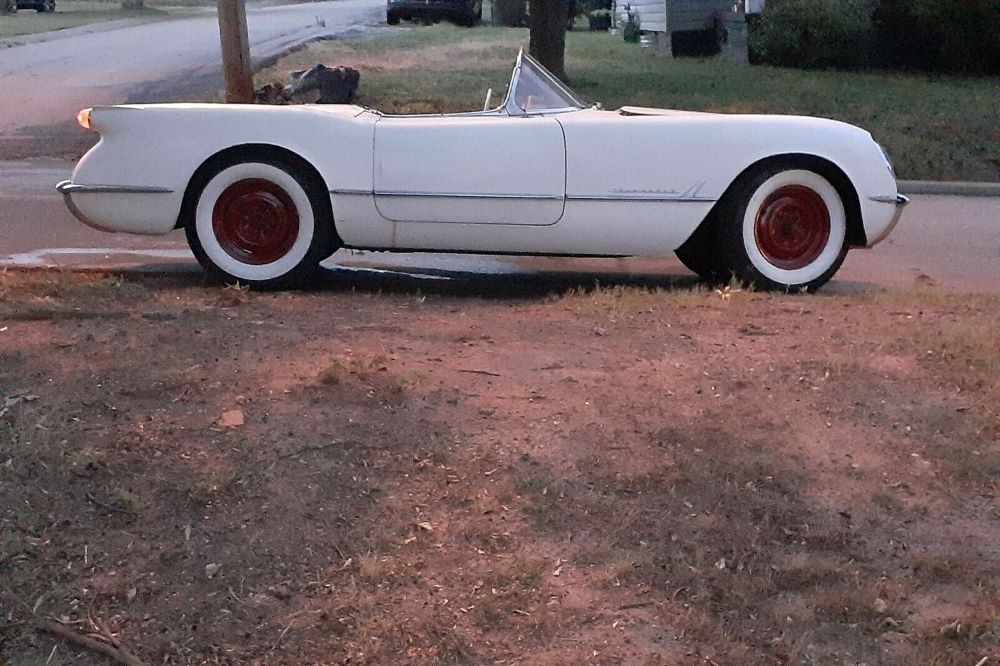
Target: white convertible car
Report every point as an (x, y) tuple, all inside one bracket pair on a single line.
[(265, 193)]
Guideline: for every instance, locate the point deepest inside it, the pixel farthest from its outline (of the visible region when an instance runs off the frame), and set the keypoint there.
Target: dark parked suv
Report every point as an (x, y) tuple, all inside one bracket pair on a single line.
[(38, 5), (463, 12)]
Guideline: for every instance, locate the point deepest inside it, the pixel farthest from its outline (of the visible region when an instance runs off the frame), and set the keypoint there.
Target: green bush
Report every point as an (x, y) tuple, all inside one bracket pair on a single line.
[(510, 12), (814, 33), (956, 36), (960, 36)]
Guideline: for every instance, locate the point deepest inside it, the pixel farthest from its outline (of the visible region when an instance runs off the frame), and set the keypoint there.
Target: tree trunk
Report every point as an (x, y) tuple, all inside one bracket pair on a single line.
[(547, 23)]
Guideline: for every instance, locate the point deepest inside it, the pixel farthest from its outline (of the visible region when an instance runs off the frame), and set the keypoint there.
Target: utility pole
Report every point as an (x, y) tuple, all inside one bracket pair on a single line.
[(235, 51)]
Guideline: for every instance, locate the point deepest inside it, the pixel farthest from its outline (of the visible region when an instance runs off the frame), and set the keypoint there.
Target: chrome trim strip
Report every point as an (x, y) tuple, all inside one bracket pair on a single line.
[(625, 197), (528, 197), (470, 195), (897, 199), (67, 187), (357, 192)]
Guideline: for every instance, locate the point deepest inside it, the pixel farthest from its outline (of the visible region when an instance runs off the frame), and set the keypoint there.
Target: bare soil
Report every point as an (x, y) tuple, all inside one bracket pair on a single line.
[(381, 473)]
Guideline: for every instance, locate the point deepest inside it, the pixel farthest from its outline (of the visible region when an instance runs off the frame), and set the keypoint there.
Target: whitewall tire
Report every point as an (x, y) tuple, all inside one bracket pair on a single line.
[(261, 223), (783, 228)]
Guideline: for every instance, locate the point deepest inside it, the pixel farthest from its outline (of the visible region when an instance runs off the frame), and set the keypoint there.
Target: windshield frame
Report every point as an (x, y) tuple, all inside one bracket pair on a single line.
[(547, 78)]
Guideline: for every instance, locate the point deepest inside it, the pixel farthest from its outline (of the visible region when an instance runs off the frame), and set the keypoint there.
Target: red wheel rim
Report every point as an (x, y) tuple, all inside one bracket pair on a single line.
[(255, 221), (792, 227)]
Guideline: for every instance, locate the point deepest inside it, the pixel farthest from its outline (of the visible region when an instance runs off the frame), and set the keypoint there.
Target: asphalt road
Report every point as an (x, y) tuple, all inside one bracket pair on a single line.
[(46, 82), (943, 242)]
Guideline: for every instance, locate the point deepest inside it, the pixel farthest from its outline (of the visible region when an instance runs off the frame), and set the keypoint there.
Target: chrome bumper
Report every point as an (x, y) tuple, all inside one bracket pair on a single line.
[(897, 200), (67, 188)]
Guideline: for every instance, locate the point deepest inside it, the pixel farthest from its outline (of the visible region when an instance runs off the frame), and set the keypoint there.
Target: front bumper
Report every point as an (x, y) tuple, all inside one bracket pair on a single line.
[(897, 200)]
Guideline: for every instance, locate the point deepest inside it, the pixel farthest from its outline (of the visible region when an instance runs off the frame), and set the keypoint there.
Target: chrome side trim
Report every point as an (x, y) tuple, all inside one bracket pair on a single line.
[(527, 197), (67, 187), (469, 195), (897, 199), (625, 197), (357, 192)]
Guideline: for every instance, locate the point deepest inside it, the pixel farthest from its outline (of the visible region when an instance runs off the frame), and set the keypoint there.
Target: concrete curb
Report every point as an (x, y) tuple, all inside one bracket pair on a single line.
[(957, 188)]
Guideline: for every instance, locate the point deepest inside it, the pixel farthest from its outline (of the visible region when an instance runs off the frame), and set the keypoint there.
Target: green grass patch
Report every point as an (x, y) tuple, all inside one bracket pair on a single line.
[(76, 13), (935, 127)]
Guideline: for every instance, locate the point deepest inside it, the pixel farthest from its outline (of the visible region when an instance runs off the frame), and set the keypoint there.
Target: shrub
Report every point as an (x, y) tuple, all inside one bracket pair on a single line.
[(510, 12), (814, 33), (959, 36), (586, 7)]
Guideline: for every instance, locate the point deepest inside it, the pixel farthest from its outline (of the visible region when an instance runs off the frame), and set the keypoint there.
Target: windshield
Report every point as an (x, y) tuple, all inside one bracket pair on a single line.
[(533, 90)]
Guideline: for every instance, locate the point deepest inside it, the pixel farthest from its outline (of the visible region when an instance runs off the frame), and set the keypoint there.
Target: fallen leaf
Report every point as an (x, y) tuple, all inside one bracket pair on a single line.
[(232, 419)]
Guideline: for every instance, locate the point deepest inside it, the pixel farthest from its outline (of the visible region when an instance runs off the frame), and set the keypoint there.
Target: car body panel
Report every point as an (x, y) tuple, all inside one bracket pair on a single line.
[(336, 140), (477, 168), (678, 156)]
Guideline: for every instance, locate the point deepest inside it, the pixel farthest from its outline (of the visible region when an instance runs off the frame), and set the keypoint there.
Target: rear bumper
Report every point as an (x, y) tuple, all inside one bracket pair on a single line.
[(125, 208)]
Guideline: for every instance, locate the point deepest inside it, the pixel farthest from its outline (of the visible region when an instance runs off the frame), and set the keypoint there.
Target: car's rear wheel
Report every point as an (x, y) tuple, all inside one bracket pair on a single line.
[(392, 18), (8, 6), (47, 6), (264, 223), (782, 227)]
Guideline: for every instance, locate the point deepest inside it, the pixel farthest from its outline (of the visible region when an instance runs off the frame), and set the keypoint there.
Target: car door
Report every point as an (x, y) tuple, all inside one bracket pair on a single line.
[(486, 168)]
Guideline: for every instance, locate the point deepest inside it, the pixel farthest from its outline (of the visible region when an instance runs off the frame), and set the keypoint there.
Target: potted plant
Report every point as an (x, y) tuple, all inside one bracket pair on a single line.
[(600, 19), (631, 27)]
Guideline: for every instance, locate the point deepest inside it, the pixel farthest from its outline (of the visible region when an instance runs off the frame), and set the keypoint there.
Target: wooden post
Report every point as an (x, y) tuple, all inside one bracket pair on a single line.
[(235, 51)]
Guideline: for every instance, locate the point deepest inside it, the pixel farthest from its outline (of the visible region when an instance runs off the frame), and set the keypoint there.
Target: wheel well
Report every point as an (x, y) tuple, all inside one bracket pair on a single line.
[(856, 236), (245, 152)]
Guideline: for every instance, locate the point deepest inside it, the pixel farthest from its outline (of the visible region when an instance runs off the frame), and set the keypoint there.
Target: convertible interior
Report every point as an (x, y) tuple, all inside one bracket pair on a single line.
[(532, 90)]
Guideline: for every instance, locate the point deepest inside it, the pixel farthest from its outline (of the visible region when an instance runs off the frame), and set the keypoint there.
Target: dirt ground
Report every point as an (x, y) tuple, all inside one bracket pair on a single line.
[(376, 472)]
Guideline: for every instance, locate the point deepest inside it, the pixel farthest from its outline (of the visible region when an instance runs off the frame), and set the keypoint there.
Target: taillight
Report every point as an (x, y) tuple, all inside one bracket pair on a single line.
[(83, 118)]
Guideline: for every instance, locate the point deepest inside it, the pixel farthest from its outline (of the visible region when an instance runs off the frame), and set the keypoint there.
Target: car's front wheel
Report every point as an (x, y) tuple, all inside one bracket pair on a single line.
[(47, 6), (783, 227), (264, 223)]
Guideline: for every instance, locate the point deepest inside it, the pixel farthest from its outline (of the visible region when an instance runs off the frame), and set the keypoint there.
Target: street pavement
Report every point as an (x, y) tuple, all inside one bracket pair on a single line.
[(46, 82), (951, 243)]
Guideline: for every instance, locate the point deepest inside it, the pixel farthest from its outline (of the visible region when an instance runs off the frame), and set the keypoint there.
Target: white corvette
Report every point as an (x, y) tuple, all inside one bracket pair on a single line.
[(265, 193)]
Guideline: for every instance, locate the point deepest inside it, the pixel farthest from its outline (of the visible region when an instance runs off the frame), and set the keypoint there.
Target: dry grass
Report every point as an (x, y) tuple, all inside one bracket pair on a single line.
[(708, 479)]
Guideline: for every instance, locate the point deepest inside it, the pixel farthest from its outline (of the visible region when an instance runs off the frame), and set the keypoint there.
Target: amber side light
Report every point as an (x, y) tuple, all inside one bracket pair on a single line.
[(83, 118)]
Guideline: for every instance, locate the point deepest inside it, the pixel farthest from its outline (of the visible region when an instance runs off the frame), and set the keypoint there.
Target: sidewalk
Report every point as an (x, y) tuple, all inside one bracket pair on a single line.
[(953, 188)]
